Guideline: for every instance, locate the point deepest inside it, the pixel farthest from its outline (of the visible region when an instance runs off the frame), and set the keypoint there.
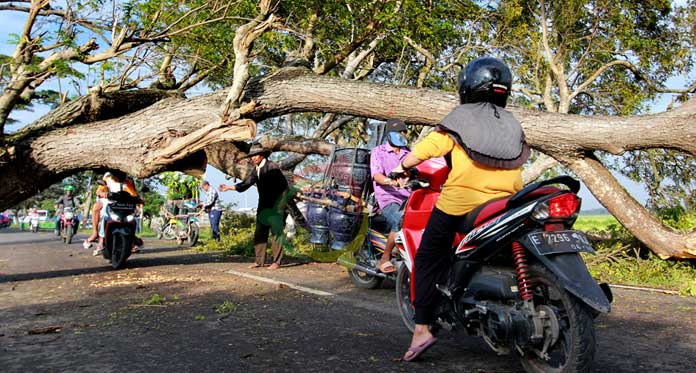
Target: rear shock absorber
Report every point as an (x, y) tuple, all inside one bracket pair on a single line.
[(523, 282)]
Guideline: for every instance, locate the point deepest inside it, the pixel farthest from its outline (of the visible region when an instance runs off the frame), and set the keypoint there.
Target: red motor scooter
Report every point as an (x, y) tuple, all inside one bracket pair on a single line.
[(517, 279), (68, 224)]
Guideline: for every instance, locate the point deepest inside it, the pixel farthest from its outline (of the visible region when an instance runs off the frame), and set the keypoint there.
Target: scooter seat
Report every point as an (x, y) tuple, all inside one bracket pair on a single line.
[(497, 206)]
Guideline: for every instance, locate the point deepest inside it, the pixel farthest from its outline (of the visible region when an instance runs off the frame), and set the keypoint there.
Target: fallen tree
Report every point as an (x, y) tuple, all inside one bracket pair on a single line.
[(172, 132)]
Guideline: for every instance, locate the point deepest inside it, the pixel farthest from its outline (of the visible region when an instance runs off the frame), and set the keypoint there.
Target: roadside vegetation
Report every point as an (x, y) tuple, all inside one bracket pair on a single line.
[(621, 259)]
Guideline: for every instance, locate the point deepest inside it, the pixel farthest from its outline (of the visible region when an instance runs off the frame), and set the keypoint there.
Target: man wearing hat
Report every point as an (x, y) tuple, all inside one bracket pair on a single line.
[(213, 207), (270, 212), (389, 193)]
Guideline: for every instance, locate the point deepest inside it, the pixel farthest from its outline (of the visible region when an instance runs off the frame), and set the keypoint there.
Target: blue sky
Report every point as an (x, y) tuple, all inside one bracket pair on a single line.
[(12, 22)]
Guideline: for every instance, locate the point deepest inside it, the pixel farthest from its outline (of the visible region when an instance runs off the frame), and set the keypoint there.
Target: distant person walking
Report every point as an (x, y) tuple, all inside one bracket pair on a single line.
[(213, 207), (270, 213)]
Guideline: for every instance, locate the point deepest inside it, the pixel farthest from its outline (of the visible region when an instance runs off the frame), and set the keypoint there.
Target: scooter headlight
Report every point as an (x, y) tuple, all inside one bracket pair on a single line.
[(114, 217), (130, 218)]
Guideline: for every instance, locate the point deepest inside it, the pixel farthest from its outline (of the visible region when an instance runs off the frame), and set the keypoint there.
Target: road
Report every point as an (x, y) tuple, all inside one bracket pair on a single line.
[(176, 310)]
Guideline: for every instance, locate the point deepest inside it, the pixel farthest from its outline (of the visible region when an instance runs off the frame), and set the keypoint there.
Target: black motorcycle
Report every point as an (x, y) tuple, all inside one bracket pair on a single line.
[(119, 229), (517, 277)]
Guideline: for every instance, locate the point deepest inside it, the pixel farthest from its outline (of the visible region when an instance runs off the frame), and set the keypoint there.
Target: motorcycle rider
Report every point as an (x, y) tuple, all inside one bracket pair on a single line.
[(114, 182), (485, 148), (389, 193), (66, 200)]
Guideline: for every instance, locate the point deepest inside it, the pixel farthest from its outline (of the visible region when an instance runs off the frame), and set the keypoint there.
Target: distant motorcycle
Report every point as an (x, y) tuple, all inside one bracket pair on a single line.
[(68, 224), (4, 220), (182, 228), (34, 223)]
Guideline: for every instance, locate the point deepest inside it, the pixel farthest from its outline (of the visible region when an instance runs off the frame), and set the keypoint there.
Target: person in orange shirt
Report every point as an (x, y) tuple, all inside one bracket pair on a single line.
[(485, 147)]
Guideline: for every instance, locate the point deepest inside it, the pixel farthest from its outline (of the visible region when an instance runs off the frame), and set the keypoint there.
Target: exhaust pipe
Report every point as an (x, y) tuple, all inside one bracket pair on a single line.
[(361, 268)]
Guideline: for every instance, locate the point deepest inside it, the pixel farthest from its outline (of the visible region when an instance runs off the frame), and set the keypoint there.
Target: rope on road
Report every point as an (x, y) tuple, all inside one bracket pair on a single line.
[(276, 282), (654, 290)]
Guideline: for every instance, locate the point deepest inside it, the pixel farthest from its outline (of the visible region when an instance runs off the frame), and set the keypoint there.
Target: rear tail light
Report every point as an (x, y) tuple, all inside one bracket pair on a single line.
[(565, 206)]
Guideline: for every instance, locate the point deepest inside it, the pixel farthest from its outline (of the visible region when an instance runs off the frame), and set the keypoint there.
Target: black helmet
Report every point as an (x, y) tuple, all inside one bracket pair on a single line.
[(485, 79)]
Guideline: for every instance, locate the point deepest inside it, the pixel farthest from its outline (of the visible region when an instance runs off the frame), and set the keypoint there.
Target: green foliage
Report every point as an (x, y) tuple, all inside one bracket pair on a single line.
[(678, 218), (179, 185), (621, 259), (153, 203), (651, 271), (669, 176)]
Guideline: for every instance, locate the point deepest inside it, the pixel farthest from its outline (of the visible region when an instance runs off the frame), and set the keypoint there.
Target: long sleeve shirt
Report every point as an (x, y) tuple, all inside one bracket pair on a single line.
[(270, 182), (212, 200)]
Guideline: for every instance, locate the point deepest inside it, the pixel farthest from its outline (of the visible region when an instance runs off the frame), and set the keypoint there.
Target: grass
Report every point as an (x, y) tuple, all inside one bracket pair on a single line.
[(155, 299), (226, 307), (616, 265), (595, 222), (623, 260)]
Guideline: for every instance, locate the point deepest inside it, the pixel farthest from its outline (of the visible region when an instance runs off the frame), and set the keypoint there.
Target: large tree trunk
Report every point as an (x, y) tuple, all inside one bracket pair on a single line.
[(151, 140)]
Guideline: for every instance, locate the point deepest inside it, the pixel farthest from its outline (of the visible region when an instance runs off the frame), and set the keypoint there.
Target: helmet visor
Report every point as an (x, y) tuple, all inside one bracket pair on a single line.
[(397, 139)]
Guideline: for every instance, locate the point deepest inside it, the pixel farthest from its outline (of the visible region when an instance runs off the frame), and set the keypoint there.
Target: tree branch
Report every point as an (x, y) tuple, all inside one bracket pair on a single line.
[(628, 65)]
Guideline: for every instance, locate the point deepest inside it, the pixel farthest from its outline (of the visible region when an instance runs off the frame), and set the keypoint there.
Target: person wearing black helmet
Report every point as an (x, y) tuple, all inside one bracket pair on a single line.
[(485, 147)]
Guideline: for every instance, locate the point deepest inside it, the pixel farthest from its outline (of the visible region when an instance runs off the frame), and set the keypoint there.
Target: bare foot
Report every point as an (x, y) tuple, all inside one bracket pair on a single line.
[(253, 266), (274, 266)]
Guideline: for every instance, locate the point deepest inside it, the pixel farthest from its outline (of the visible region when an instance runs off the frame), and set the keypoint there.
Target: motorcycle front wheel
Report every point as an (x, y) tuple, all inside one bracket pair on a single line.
[(69, 233), (120, 250), (193, 232), (403, 297), (361, 279), (574, 350)]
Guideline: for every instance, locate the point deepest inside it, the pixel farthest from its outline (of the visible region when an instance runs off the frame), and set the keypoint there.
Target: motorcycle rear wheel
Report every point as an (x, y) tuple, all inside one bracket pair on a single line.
[(169, 232), (574, 350), (403, 297)]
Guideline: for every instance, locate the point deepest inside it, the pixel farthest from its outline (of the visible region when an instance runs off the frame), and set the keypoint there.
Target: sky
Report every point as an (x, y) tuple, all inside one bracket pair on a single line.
[(12, 22)]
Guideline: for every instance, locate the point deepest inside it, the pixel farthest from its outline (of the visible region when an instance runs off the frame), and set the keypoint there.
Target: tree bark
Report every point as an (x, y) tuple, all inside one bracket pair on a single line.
[(153, 139)]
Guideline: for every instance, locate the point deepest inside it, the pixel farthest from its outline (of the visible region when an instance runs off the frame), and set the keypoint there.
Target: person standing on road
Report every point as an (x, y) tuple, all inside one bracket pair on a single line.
[(213, 207), (389, 193), (270, 213)]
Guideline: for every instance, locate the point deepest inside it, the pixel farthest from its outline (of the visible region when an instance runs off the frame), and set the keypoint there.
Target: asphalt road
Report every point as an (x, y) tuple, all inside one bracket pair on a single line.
[(176, 310)]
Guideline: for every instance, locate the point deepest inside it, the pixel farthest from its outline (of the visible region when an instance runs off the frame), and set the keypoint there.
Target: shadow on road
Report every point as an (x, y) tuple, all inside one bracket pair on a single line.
[(135, 261)]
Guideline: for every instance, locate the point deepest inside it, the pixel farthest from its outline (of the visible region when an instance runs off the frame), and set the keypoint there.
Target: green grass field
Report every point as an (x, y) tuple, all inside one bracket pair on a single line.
[(595, 222)]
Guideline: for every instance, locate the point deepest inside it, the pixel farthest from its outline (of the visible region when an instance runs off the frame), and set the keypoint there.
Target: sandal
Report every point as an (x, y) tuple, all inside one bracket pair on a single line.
[(387, 267), (417, 351)]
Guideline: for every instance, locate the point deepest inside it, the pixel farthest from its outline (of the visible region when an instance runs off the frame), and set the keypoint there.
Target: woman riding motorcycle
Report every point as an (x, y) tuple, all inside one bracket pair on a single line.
[(485, 148)]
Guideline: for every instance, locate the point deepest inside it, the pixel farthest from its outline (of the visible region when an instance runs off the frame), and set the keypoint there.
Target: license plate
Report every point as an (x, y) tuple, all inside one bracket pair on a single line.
[(123, 206), (560, 242)]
